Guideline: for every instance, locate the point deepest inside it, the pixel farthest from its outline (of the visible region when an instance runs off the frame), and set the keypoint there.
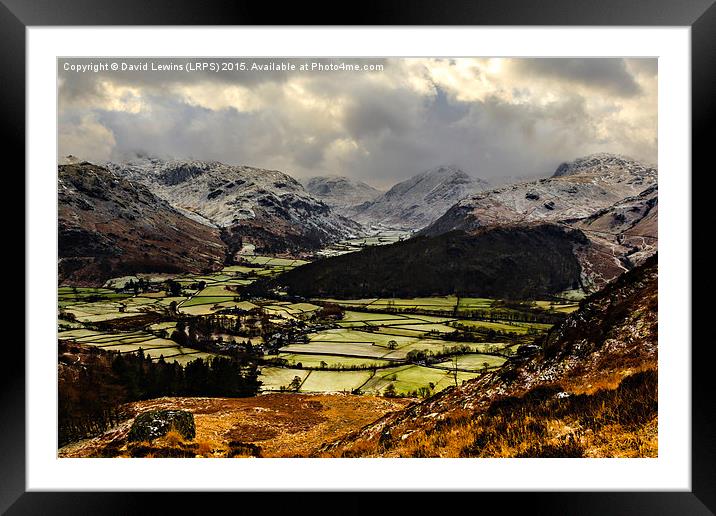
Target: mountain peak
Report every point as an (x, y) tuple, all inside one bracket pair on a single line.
[(601, 162), (340, 192), (419, 200)]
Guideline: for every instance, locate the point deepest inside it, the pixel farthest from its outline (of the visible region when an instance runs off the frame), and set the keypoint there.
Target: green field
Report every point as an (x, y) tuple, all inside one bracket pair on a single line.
[(354, 349), (210, 308), (363, 344), (334, 381), (352, 245), (474, 362), (274, 378), (412, 377), (505, 326), (131, 342), (332, 361), (365, 349)]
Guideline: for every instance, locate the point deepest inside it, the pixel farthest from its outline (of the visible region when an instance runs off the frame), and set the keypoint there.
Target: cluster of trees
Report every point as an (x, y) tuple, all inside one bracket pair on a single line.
[(330, 311), (93, 385), (89, 397), (323, 365), (293, 386), (427, 356), (201, 333), (468, 333), (173, 288), (423, 392), (141, 285), (514, 311), (145, 378)]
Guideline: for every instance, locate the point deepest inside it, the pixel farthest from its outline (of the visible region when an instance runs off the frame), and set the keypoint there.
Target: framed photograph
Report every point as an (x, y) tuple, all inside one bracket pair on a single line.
[(418, 253)]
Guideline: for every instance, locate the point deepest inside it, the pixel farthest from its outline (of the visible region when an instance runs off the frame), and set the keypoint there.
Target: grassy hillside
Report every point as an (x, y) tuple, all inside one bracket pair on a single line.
[(590, 391)]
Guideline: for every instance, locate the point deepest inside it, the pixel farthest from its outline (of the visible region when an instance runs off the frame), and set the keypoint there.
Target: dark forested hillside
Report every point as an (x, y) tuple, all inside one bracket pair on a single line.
[(517, 262)]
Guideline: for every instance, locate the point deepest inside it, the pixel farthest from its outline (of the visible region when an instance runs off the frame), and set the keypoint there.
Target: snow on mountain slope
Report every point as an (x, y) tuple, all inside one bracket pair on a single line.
[(576, 190), (592, 193), (110, 226), (340, 193), (418, 201), (266, 208)]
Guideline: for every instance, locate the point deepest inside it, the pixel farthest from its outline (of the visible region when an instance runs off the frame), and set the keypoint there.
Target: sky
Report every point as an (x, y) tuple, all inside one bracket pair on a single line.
[(376, 120)]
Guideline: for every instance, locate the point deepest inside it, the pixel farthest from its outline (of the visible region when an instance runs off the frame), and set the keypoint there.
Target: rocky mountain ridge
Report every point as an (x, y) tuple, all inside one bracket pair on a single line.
[(578, 193), (109, 226), (266, 208)]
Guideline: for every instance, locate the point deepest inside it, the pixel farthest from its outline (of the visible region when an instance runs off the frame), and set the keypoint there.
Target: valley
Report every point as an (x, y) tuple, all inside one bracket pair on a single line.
[(413, 346), (233, 291)]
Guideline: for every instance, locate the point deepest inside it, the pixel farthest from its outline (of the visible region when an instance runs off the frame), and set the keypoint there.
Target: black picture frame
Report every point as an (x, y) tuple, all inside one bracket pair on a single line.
[(700, 15)]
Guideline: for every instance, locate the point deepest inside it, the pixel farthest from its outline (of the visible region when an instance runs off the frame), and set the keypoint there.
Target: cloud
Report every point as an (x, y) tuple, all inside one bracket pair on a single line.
[(610, 75), (89, 138), (492, 117)]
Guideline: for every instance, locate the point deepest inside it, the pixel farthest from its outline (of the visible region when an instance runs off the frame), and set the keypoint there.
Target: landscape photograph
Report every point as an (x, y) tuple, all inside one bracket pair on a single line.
[(357, 257)]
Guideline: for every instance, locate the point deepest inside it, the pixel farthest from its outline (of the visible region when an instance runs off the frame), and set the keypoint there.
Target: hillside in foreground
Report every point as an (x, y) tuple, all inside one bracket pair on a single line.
[(274, 425), (590, 390)]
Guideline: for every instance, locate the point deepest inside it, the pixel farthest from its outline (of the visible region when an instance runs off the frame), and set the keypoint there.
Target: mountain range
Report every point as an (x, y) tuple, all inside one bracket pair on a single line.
[(611, 200), (264, 208), (604, 195)]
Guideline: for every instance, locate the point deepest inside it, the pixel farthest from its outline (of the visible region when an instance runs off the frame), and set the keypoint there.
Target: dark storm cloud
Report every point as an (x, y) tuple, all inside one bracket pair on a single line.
[(611, 74), (522, 118), (367, 113)]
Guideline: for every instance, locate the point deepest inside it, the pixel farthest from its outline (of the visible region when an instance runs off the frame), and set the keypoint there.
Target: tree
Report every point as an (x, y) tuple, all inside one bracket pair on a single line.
[(392, 344), (389, 391), (173, 288), (295, 384)]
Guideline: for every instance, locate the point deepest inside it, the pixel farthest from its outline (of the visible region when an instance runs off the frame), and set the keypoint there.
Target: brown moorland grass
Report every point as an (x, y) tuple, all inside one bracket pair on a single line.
[(544, 422), (273, 425)]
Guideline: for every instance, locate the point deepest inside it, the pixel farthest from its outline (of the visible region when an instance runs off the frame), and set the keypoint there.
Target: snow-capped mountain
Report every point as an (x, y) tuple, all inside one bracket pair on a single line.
[(576, 190), (340, 193), (418, 201), (604, 195), (266, 208), (603, 163)]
